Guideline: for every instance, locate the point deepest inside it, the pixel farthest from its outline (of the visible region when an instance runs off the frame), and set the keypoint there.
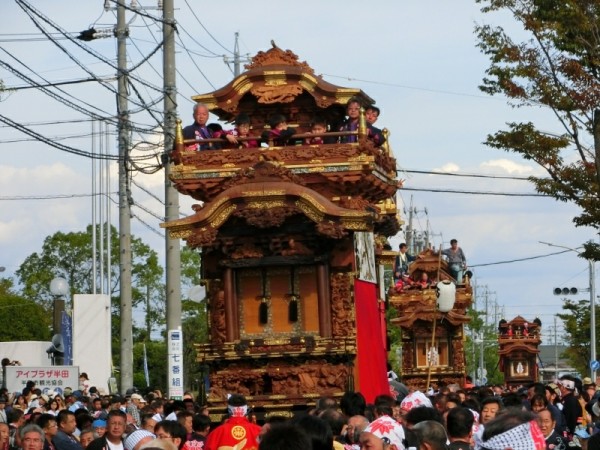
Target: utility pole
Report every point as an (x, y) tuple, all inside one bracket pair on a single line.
[(122, 32), (236, 57), (173, 251)]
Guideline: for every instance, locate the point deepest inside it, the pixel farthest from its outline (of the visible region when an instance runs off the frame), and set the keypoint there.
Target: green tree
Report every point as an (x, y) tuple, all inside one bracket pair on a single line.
[(69, 255), (156, 353), (23, 319), (194, 317), (576, 318), (558, 67), (476, 332)]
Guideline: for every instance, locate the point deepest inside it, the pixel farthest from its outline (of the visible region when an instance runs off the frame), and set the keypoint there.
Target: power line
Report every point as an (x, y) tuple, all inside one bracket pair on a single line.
[(47, 197), (64, 147), (195, 64), (518, 260), (205, 29), (455, 191), (57, 83), (415, 88), (466, 175)]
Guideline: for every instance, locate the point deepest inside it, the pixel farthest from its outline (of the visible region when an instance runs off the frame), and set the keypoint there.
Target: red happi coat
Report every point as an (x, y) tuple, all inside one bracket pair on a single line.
[(237, 433)]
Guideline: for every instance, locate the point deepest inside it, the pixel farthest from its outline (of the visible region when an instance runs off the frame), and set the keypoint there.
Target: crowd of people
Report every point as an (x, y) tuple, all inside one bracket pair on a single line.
[(212, 136), (557, 416), (87, 419)]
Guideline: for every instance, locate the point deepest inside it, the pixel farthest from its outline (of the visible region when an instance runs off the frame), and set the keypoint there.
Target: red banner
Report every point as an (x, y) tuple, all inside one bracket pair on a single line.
[(372, 358)]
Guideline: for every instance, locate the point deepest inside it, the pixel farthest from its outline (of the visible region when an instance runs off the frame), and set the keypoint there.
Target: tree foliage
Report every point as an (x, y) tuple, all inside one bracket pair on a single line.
[(70, 255), (576, 318), (479, 334), (24, 320), (558, 67)]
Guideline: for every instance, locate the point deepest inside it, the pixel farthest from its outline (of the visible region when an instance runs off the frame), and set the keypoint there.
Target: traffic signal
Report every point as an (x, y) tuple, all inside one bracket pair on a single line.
[(565, 291)]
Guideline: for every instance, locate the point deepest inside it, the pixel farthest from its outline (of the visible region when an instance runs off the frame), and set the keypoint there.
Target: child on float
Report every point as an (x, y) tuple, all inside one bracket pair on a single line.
[(241, 130), (318, 126), (279, 133)]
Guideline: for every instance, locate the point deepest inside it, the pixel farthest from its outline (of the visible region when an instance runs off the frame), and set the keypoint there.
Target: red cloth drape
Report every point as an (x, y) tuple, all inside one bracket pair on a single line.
[(372, 369)]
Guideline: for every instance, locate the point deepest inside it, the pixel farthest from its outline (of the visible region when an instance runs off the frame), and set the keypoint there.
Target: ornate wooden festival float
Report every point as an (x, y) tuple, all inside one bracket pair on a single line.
[(432, 337), (518, 342), (292, 244)]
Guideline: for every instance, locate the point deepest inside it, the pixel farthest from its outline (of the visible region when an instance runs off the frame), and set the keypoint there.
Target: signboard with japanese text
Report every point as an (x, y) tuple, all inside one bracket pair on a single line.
[(175, 369), (50, 378)]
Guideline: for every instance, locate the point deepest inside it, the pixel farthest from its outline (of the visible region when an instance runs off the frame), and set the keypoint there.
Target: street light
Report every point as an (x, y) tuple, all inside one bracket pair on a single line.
[(59, 288), (592, 287)]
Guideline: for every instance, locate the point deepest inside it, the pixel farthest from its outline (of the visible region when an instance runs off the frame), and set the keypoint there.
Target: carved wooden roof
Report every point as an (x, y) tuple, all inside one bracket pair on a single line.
[(416, 304), (264, 196), (276, 77)]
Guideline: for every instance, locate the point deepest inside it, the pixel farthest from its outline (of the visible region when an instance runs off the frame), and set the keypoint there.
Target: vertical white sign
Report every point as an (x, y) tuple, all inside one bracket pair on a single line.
[(175, 369)]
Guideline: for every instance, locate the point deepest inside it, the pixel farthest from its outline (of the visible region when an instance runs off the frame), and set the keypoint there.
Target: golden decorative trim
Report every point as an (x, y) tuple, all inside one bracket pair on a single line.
[(362, 157), (308, 85), (312, 201), (275, 82), (266, 204), (178, 132), (222, 217), (286, 414), (217, 205), (309, 212), (239, 80), (243, 88), (263, 193), (317, 169), (180, 234), (355, 225), (277, 341), (209, 100)]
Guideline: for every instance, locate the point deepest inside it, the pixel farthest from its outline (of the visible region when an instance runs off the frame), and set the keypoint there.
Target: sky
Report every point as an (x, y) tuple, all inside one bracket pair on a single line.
[(417, 59)]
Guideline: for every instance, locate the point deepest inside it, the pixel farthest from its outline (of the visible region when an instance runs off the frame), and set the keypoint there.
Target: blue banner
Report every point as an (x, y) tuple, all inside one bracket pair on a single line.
[(67, 334), (146, 372)]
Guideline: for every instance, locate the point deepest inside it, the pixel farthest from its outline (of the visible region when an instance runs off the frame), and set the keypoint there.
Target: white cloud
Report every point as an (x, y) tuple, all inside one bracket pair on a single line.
[(507, 166)]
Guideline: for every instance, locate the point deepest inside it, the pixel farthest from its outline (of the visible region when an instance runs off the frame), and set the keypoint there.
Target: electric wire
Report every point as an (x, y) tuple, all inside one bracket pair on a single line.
[(148, 211), (29, 10), (108, 117), (195, 64), (147, 225), (466, 175), (141, 13), (456, 191), (415, 88), (56, 83), (63, 147), (510, 261), (48, 197), (207, 32)]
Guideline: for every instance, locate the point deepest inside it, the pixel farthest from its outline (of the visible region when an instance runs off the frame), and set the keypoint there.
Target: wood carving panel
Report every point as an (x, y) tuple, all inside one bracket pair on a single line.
[(315, 377), (342, 307), (217, 312), (277, 56), (270, 215)]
